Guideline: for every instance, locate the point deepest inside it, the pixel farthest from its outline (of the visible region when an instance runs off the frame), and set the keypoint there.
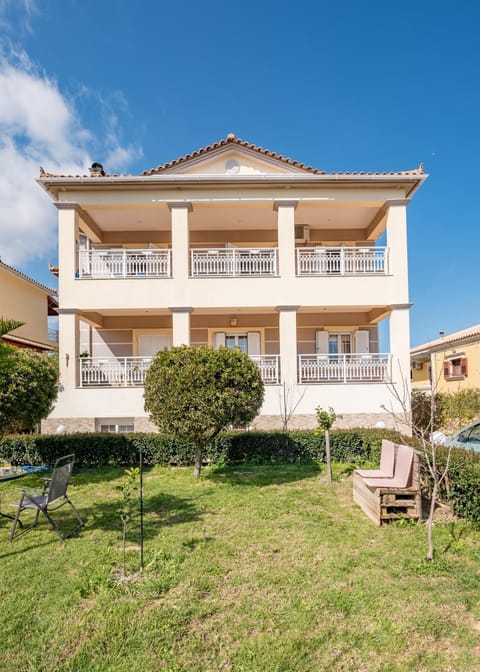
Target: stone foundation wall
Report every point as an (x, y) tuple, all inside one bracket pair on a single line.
[(347, 421), (145, 426), (261, 422), (72, 425), (82, 425)]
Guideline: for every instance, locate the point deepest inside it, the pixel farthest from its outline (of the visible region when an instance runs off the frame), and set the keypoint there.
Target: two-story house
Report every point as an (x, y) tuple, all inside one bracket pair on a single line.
[(234, 246), (26, 300), (449, 363)]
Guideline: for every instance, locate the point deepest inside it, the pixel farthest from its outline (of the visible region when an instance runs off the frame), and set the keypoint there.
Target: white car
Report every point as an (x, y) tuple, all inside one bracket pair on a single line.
[(468, 438)]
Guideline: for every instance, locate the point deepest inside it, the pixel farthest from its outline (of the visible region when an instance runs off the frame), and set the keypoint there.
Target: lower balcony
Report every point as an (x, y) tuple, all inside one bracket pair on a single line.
[(344, 368), (316, 368), (130, 371)]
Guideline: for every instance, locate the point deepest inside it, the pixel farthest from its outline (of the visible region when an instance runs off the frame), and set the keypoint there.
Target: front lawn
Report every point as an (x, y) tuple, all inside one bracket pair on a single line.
[(249, 569)]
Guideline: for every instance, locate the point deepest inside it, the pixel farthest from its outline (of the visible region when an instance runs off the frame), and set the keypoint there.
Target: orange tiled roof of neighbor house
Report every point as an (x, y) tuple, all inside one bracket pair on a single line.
[(232, 140), (445, 340)]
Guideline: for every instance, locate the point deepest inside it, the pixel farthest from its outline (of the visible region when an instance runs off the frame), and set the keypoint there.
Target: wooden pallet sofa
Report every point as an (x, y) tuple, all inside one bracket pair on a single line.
[(392, 491)]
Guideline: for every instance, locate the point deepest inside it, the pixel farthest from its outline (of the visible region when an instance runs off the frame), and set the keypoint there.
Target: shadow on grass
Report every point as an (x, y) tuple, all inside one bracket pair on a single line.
[(159, 511), (260, 475)]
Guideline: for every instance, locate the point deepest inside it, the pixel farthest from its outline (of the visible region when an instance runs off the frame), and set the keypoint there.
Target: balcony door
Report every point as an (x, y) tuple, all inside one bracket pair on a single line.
[(247, 341), (342, 343), (149, 343)]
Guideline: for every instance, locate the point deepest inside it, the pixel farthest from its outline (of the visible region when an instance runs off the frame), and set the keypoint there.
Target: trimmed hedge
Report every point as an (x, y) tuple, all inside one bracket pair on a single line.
[(462, 487), (356, 446)]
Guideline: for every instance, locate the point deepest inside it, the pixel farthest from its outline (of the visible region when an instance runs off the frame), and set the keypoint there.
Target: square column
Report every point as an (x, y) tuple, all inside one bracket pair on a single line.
[(288, 344), (400, 346), (68, 348), (68, 220), (397, 246), (286, 237), (181, 325), (180, 239)]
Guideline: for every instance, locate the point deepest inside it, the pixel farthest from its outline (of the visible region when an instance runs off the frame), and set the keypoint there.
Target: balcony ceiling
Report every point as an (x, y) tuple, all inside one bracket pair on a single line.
[(156, 217)]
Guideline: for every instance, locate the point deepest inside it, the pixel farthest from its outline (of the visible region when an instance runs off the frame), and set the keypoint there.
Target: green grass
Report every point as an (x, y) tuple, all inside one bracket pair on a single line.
[(249, 569)]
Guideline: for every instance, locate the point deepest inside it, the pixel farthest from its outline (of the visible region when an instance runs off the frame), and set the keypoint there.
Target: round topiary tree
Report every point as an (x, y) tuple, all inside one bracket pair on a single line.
[(28, 388), (195, 393)]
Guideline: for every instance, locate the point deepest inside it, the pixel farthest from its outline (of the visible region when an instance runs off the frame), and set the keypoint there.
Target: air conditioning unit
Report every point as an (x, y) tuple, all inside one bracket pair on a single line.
[(417, 365), (302, 233)]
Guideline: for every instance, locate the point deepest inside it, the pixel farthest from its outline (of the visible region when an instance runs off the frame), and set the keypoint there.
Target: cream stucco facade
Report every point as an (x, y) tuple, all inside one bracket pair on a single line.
[(233, 246), (25, 300)]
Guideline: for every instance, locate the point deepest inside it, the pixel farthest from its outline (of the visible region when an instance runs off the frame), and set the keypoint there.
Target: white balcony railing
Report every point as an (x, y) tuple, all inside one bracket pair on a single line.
[(269, 366), (123, 263), (113, 371), (342, 260), (232, 262), (353, 368), (130, 371)]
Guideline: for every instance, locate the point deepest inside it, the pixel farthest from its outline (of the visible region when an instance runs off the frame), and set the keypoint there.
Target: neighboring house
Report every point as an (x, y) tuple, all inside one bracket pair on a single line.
[(449, 363), (234, 246), (26, 300)]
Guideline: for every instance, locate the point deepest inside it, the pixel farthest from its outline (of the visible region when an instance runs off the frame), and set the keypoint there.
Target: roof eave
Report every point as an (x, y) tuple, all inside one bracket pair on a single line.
[(54, 184)]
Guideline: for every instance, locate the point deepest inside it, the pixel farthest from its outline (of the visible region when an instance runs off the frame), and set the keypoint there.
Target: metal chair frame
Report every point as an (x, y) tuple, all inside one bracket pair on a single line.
[(50, 498)]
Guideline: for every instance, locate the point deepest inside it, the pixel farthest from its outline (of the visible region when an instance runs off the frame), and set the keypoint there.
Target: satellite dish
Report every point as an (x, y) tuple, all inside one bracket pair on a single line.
[(61, 429)]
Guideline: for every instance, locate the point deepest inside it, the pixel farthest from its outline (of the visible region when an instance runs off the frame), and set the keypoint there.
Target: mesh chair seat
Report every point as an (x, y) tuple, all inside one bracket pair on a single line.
[(35, 502), (52, 497)]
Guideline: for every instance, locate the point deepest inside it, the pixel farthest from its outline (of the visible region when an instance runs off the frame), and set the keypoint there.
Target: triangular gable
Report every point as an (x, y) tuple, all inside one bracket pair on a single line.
[(233, 156)]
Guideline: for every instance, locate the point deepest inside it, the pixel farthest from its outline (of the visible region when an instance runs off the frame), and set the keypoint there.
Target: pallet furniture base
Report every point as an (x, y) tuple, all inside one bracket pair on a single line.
[(382, 504)]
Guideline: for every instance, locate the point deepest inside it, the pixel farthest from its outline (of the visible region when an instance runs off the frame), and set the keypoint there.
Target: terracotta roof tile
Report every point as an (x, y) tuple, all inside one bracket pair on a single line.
[(450, 338), (232, 140)]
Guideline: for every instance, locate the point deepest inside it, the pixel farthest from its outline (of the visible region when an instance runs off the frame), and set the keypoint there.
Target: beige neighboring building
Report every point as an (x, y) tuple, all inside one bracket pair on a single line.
[(233, 245), (26, 300), (449, 363)]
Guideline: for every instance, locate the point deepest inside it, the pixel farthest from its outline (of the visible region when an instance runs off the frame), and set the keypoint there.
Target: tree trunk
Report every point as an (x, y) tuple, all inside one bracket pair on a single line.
[(433, 503), (329, 457), (198, 461)]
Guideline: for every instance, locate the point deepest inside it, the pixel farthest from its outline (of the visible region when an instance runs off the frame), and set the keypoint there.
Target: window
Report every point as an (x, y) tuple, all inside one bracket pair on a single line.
[(237, 341), (115, 425), (248, 342), (342, 343), (456, 367), (339, 344)]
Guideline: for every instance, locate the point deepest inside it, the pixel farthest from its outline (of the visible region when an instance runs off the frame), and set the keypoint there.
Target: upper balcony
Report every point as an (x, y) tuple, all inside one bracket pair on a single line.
[(124, 263), (116, 263)]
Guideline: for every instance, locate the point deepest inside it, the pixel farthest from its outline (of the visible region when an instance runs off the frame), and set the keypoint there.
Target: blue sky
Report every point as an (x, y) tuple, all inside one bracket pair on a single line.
[(351, 85)]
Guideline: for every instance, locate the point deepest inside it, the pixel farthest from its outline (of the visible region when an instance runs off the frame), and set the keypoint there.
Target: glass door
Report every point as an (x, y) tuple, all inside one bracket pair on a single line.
[(237, 341)]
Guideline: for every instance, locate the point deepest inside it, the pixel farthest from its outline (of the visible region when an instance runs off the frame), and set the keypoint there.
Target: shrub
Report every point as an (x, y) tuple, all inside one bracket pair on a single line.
[(356, 446)]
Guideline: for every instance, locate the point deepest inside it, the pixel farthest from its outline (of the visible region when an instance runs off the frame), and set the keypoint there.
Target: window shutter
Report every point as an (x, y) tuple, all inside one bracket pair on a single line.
[(253, 342), (362, 344), (464, 366), (321, 343), (446, 370), (218, 339)]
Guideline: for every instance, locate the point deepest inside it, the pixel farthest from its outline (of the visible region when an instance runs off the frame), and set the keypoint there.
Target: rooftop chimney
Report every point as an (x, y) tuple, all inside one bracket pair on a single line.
[(96, 169)]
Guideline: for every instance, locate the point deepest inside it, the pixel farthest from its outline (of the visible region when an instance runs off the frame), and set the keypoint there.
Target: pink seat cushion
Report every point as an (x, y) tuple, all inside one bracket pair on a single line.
[(387, 463), (401, 476)]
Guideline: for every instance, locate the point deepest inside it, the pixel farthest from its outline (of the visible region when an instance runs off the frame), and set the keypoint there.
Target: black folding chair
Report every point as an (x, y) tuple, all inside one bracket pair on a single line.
[(52, 497)]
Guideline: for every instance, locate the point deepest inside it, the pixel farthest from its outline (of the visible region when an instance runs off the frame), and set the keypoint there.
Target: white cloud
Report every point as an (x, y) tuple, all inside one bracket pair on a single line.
[(39, 126), (17, 15)]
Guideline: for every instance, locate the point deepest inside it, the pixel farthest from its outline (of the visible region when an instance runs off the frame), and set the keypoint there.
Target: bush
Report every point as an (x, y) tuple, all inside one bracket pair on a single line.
[(356, 446)]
